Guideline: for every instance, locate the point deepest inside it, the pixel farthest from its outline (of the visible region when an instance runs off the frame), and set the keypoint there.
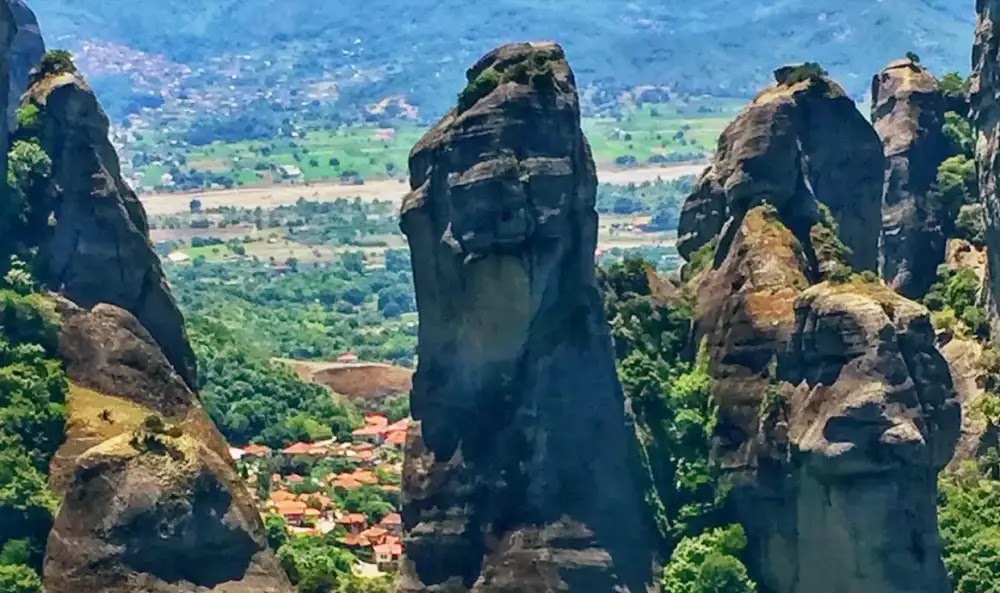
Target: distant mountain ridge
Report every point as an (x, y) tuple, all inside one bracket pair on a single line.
[(716, 47)]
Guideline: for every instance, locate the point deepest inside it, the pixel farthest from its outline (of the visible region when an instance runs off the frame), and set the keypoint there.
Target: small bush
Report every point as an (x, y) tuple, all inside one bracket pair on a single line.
[(840, 275), (791, 75), (56, 61), (971, 224), (701, 259), (485, 83)]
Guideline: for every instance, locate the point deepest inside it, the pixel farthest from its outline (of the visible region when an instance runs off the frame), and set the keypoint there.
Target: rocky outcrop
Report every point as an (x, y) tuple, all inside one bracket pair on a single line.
[(151, 502), (908, 113), (984, 97), (26, 51), (836, 411), (520, 474), (798, 144), (98, 250)]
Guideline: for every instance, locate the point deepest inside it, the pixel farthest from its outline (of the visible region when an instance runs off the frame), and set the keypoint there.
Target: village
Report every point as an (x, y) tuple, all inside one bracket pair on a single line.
[(347, 491)]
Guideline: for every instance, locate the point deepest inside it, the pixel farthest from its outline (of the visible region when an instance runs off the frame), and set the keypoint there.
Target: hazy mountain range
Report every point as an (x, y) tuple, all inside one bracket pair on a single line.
[(725, 47)]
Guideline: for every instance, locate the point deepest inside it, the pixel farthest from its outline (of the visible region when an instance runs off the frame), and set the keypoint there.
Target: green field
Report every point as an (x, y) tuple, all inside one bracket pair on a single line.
[(654, 133)]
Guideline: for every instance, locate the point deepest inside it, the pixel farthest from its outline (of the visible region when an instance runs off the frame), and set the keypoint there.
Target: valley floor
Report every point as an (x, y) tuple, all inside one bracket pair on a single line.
[(392, 190)]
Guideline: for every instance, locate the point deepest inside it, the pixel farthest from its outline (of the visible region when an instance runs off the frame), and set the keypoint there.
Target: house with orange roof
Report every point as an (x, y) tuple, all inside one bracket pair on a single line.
[(375, 535), (346, 482), (377, 420), (348, 358), (293, 511), (396, 438), (393, 523), (295, 479), (256, 451), (403, 425), (282, 495), (366, 477), (387, 555), (297, 449), (355, 523), (370, 433)]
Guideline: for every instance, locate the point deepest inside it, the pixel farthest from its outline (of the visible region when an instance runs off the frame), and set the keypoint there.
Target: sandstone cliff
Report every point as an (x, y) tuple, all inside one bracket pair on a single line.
[(27, 49), (985, 110), (151, 502), (836, 409), (520, 473), (908, 114), (799, 143), (98, 249)]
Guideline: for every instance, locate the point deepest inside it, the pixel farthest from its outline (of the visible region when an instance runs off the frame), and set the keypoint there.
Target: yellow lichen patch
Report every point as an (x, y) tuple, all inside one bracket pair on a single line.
[(772, 307), (776, 256), (41, 90), (96, 415)]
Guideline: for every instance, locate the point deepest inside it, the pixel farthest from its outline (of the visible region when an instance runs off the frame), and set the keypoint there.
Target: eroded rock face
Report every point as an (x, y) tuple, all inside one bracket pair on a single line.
[(99, 249), (27, 49), (519, 474), (836, 412), (985, 109), (908, 114), (795, 145), (159, 513)]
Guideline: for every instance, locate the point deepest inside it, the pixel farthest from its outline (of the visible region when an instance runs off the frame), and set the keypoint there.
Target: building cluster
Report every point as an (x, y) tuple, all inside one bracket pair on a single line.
[(311, 505)]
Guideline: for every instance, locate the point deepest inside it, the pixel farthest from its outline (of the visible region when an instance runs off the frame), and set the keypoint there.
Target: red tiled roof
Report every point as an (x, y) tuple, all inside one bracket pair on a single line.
[(281, 495), (369, 431), (377, 420), (298, 449), (346, 482), (290, 507), (393, 549), (403, 424), (313, 513), (353, 519), (396, 438), (295, 479), (374, 534), (366, 477), (392, 519), (257, 450)]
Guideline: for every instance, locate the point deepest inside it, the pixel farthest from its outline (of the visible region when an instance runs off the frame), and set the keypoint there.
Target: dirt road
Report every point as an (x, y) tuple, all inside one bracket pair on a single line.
[(284, 195)]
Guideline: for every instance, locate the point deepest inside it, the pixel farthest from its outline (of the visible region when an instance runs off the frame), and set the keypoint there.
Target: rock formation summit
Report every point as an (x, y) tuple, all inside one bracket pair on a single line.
[(520, 473), (799, 143), (908, 114)]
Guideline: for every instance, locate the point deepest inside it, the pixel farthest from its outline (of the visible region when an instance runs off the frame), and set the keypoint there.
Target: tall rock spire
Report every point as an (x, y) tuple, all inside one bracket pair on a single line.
[(520, 473), (98, 249), (908, 114)]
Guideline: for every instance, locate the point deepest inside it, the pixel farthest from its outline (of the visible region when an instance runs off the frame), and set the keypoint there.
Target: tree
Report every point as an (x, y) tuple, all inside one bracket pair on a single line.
[(315, 564), (17, 578), (709, 563), (911, 56), (276, 530), (56, 61), (969, 521), (195, 206)]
